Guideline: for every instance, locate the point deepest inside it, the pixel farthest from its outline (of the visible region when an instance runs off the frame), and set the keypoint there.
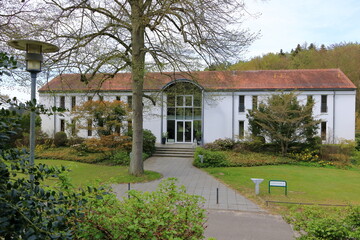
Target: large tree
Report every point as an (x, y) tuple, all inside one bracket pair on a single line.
[(109, 36), (281, 119)]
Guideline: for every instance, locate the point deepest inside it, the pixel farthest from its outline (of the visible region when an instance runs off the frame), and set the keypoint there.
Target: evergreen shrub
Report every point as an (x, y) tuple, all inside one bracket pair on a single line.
[(210, 158), (60, 139), (149, 142)]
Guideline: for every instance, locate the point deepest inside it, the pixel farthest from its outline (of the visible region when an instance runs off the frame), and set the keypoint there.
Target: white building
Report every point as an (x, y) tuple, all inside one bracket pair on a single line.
[(210, 104)]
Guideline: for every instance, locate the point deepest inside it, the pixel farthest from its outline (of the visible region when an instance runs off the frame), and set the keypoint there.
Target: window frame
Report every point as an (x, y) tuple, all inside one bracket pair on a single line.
[(241, 103), (324, 106)]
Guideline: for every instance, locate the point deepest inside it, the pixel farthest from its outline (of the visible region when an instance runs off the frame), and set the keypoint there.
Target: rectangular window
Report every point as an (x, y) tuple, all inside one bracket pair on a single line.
[(101, 98), (241, 129), (62, 125), (323, 131), (73, 127), (241, 103), (118, 98), (89, 98), (62, 101), (73, 102), (89, 127), (254, 102), (129, 101), (323, 103)]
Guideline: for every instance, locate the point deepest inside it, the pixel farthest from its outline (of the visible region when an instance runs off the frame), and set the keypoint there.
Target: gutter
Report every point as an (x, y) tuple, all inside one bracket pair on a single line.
[(55, 114), (202, 117), (334, 117), (162, 115), (233, 116)]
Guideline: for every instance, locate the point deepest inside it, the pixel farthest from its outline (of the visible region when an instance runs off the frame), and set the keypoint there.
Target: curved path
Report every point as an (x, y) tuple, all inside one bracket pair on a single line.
[(249, 222), (196, 182)]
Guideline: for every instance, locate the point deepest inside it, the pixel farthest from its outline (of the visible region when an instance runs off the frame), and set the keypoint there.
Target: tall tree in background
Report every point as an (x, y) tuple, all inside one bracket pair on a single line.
[(109, 36), (281, 119)]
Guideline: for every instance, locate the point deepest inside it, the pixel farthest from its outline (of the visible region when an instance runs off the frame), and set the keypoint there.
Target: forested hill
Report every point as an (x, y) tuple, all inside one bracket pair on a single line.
[(345, 56)]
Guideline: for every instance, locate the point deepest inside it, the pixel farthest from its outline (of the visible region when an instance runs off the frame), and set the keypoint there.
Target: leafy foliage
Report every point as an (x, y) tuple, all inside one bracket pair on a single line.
[(105, 144), (167, 213), (107, 117), (149, 142), (283, 120), (6, 62), (210, 158), (29, 210), (60, 139), (320, 223)]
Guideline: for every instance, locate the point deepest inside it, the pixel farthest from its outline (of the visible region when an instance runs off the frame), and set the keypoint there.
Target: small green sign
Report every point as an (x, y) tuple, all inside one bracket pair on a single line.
[(278, 183)]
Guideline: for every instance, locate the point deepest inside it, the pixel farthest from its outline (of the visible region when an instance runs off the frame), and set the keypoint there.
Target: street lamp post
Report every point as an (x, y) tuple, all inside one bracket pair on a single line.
[(34, 59)]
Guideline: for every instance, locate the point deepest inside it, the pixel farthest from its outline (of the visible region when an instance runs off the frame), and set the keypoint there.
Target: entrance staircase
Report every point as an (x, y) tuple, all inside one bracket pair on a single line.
[(174, 150)]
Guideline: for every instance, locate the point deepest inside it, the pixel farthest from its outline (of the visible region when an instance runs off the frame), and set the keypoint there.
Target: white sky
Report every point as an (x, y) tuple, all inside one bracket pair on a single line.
[(285, 23)]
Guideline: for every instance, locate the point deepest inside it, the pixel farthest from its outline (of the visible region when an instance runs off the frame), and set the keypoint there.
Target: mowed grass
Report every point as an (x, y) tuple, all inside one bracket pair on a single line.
[(305, 184), (83, 174)]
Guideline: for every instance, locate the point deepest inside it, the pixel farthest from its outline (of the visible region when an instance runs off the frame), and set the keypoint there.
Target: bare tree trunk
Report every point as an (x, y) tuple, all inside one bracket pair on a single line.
[(137, 67)]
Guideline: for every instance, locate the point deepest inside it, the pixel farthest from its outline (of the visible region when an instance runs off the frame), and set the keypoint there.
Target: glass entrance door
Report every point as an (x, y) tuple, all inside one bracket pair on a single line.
[(184, 131)]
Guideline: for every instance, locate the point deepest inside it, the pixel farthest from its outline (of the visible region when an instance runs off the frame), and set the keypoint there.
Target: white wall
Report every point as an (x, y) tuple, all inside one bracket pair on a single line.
[(218, 122), (345, 115), (217, 116), (152, 116), (221, 115)]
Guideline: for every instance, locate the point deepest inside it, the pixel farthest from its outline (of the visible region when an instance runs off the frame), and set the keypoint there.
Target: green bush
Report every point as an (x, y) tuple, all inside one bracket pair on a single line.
[(255, 144), (210, 159), (220, 144), (326, 223), (340, 153), (121, 158), (75, 140), (149, 142), (167, 213), (33, 210), (60, 139)]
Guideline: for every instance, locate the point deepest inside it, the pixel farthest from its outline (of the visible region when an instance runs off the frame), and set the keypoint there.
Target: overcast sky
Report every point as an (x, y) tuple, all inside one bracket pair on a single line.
[(285, 23)]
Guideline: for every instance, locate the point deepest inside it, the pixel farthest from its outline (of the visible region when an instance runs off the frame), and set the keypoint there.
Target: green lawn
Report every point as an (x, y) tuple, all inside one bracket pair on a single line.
[(305, 184), (82, 173)]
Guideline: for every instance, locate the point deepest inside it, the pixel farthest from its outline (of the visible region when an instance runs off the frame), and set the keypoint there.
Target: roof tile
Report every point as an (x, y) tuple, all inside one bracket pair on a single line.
[(210, 80)]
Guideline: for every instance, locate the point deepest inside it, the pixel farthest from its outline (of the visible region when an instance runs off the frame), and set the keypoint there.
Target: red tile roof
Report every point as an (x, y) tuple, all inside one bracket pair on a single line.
[(311, 79)]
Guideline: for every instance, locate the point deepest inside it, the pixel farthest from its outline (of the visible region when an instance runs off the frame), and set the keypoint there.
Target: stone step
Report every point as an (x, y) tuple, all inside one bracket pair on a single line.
[(175, 150), (168, 151), (173, 155)]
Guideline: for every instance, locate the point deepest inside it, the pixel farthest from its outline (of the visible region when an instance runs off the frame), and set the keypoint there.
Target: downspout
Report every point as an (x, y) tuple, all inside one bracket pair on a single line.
[(233, 117), (334, 118), (55, 114), (162, 115), (202, 117)]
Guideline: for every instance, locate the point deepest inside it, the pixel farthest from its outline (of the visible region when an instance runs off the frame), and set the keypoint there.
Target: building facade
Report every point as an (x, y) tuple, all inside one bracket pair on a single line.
[(207, 105)]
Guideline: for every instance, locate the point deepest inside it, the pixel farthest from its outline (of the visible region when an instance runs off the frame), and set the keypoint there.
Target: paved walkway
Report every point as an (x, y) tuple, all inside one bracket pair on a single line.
[(249, 222), (196, 182)]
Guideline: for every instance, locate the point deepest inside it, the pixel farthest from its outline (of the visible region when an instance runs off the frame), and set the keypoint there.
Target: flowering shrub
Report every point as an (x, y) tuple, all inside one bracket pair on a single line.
[(306, 156)]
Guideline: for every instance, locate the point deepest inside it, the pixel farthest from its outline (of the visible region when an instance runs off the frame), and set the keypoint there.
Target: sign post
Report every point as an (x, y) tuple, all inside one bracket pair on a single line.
[(278, 183)]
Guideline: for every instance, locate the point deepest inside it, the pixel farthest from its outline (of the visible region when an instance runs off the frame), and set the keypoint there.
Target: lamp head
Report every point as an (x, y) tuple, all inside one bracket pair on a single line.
[(34, 50)]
